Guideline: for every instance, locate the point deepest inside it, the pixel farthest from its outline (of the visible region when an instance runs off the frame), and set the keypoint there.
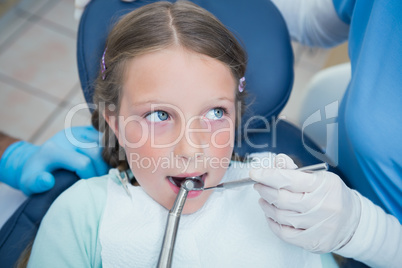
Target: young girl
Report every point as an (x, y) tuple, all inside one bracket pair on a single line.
[(170, 81)]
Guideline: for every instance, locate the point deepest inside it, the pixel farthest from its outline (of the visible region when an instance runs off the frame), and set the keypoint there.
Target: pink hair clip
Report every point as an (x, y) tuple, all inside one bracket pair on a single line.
[(242, 84), (103, 66)]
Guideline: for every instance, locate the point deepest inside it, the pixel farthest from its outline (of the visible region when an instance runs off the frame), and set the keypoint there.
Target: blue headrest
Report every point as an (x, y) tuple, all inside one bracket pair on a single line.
[(257, 24)]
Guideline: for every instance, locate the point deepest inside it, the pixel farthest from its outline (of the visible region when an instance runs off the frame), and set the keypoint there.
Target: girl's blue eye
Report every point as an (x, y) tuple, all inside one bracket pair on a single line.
[(215, 114), (157, 116)]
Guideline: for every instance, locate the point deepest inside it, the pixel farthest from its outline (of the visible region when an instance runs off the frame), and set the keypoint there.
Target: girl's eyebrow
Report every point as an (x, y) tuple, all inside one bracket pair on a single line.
[(220, 100), (153, 101), (146, 102), (225, 99)]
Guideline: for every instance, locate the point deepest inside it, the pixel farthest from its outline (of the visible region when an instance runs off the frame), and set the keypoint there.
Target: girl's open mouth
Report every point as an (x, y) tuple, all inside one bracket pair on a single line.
[(175, 184)]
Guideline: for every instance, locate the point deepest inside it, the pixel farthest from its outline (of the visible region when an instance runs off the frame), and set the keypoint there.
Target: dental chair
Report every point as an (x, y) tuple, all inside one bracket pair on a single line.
[(262, 30)]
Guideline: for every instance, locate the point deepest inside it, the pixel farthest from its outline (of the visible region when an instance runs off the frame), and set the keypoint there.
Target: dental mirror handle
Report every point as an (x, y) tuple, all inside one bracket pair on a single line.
[(169, 239), (313, 168), (241, 182)]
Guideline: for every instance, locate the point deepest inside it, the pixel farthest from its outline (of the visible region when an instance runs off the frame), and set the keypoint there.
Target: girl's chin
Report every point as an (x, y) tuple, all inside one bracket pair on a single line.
[(192, 207)]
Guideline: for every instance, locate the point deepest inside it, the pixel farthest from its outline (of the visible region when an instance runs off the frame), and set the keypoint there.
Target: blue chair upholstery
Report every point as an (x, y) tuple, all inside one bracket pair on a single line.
[(262, 30), (21, 228)]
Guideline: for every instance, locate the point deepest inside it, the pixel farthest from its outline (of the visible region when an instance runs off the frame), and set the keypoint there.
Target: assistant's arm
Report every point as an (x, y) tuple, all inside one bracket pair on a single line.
[(313, 22), (29, 167), (5, 142)]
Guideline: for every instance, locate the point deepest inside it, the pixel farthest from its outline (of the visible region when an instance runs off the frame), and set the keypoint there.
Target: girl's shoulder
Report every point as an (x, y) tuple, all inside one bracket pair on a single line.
[(86, 195), (93, 188), (70, 225)]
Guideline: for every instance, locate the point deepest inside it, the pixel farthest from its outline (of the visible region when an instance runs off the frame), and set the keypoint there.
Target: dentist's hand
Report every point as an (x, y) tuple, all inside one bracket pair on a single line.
[(315, 211), (28, 167)]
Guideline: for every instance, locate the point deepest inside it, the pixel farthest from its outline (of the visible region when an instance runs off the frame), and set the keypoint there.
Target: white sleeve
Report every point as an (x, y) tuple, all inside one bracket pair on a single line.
[(313, 22), (377, 240), (79, 6)]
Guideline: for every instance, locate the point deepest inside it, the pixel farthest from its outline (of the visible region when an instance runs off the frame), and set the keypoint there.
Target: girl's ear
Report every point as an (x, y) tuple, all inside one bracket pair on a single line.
[(112, 121)]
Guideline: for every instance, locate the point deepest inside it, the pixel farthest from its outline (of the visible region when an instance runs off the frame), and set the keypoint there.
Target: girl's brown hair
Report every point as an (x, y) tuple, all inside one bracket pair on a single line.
[(152, 28)]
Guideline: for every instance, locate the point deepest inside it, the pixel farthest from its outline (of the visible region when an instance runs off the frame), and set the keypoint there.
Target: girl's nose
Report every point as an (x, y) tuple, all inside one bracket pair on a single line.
[(193, 142)]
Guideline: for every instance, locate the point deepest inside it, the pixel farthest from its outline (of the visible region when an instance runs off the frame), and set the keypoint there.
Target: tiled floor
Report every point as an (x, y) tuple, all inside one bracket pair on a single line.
[(38, 74), (39, 80)]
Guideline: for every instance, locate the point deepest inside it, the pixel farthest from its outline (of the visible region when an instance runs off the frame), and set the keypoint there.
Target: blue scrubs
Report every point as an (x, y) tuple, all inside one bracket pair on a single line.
[(370, 118)]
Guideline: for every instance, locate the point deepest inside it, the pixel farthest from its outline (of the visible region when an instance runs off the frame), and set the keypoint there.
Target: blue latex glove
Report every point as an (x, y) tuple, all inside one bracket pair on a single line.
[(28, 167)]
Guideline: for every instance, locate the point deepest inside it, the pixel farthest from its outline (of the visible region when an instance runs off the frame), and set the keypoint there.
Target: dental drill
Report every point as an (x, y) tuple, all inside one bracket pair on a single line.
[(190, 184)]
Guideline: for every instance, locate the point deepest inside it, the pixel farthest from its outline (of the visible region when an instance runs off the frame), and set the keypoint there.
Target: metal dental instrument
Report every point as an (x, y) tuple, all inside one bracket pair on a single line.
[(125, 177), (246, 181), (166, 255)]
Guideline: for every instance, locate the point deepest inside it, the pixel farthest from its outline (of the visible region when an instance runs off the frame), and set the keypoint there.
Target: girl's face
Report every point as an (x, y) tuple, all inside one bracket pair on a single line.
[(177, 119)]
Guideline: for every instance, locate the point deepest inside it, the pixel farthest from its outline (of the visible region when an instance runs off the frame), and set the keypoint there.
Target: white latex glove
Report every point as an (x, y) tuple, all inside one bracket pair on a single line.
[(315, 211)]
